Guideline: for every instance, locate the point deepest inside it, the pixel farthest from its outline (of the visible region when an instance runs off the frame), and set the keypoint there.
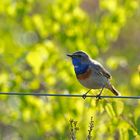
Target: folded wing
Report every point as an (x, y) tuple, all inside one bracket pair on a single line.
[(99, 69)]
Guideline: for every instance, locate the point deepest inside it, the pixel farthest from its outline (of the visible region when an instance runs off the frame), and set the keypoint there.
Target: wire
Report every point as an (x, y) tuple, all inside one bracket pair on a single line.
[(65, 95)]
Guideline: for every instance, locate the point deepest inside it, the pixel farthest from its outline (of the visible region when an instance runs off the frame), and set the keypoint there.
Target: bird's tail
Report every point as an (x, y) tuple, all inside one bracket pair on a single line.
[(113, 90)]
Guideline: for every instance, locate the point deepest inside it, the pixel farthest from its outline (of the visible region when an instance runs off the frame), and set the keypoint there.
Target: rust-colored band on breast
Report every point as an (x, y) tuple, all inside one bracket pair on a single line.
[(84, 75)]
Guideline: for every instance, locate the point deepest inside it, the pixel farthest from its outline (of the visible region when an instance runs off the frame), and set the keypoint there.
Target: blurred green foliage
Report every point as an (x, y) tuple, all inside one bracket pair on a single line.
[(34, 39)]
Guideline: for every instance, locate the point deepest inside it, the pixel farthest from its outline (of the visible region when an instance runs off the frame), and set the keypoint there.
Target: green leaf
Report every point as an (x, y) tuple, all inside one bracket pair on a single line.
[(131, 135), (110, 110), (138, 124), (118, 107)]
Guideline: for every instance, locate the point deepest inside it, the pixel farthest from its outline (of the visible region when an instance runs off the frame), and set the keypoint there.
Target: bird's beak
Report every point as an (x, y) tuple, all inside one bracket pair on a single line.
[(69, 55)]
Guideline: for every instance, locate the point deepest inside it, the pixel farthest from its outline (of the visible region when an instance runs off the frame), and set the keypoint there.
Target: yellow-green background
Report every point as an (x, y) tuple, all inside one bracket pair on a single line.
[(35, 36)]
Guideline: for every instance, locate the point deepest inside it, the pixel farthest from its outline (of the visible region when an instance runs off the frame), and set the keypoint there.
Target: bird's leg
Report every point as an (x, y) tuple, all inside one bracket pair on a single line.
[(99, 95), (85, 95)]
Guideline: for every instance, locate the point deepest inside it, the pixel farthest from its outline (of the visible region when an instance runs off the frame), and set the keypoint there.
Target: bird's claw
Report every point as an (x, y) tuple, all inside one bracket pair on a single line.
[(84, 96), (98, 97)]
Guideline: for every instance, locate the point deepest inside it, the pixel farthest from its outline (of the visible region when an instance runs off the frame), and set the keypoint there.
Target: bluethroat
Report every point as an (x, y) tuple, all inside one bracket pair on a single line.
[(91, 74)]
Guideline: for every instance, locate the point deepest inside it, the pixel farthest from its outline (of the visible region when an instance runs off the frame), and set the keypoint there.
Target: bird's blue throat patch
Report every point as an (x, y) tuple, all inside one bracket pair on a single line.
[(79, 67)]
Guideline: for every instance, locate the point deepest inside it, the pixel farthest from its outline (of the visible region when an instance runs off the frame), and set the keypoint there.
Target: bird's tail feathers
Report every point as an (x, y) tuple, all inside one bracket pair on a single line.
[(114, 91)]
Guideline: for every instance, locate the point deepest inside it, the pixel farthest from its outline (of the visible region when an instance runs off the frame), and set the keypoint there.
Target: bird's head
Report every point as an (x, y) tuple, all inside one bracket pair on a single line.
[(80, 60)]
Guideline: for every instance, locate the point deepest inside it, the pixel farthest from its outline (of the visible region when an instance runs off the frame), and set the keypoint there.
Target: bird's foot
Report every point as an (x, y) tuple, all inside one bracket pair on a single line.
[(84, 96), (98, 96)]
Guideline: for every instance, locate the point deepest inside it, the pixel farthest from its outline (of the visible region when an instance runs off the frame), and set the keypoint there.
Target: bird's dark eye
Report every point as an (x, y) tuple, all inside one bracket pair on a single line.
[(79, 56)]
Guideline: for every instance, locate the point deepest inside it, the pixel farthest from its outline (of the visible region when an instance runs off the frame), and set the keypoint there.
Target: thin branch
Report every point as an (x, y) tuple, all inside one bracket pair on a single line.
[(65, 95), (91, 125)]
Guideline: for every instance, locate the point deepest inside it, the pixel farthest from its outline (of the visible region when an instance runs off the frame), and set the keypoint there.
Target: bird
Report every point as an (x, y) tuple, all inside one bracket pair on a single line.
[(91, 74)]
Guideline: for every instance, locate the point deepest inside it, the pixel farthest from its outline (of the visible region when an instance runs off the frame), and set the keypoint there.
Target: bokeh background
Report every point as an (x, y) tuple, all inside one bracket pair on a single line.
[(36, 35)]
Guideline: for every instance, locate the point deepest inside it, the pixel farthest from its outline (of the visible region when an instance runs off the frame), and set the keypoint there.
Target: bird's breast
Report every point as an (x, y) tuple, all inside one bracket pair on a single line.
[(84, 75), (91, 80)]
